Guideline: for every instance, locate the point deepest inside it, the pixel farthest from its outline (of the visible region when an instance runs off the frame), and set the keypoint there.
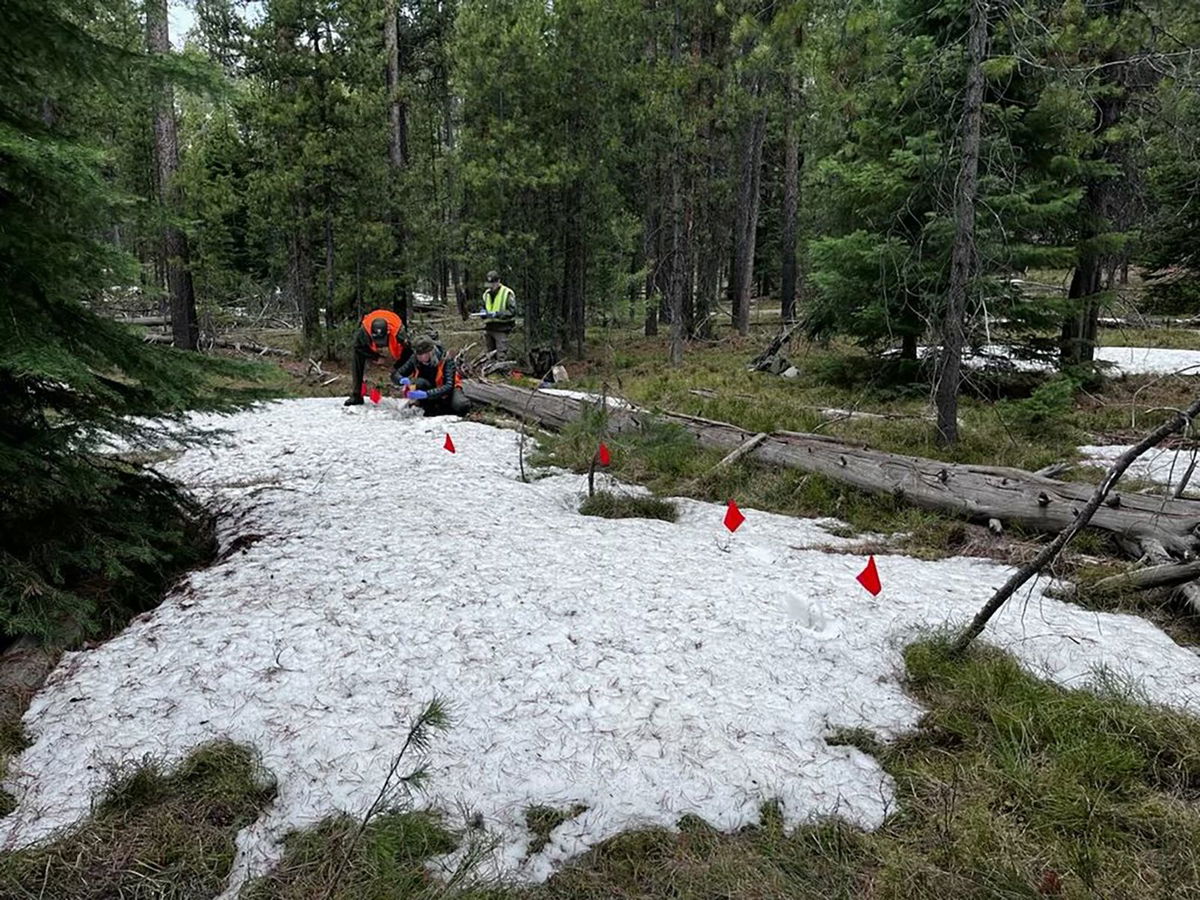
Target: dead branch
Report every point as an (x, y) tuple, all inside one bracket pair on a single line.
[(1178, 422)]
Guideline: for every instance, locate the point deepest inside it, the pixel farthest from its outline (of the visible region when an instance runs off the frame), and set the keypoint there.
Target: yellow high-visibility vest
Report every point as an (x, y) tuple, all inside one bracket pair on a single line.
[(497, 302)]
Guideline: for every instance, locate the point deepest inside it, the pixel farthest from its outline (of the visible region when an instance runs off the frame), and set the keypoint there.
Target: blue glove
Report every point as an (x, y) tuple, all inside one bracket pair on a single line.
[(406, 381), (417, 395), (397, 380), (486, 315)]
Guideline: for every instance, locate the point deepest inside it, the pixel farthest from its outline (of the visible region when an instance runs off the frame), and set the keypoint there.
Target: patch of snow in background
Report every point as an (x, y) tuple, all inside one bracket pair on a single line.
[(1125, 360), (1158, 465), (641, 668), (1151, 360), (613, 402)]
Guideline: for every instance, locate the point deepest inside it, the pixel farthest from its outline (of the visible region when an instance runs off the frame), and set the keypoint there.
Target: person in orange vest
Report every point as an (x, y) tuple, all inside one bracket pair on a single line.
[(381, 330), (432, 377)]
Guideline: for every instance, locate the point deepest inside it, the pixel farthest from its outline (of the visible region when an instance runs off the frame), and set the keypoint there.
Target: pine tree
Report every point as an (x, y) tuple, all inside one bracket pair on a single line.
[(86, 539)]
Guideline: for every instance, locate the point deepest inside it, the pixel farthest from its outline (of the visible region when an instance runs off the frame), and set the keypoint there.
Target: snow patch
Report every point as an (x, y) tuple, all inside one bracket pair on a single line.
[(1124, 360), (613, 402), (1161, 466), (640, 668)]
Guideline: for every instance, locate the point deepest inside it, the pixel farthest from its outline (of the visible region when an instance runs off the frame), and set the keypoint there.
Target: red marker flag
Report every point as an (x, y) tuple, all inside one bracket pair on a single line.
[(376, 396), (604, 456), (733, 517), (449, 445), (364, 389), (869, 577)]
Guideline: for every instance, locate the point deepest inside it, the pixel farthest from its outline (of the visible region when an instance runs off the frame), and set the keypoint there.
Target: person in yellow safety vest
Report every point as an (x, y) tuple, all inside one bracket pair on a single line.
[(499, 315), (433, 380)]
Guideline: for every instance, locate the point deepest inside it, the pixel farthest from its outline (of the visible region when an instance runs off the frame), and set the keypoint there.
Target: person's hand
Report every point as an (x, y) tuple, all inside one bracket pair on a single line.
[(417, 395), (398, 380)]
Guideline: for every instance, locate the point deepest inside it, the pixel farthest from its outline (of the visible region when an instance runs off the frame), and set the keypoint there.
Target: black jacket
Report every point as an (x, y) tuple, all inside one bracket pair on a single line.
[(414, 369)]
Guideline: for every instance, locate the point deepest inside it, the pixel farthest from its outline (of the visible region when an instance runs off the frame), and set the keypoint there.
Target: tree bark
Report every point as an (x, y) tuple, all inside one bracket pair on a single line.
[(300, 286), (791, 200), (1077, 342), (962, 254), (185, 326), (397, 154), (330, 274), (975, 493), (746, 217), (397, 109), (675, 286), (650, 226)]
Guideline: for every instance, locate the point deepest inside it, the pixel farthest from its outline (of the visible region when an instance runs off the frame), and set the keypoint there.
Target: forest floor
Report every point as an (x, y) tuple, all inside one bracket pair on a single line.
[(1002, 776)]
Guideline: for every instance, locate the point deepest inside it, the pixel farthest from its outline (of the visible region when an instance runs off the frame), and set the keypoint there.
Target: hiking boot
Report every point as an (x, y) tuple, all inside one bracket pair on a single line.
[(354, 400)]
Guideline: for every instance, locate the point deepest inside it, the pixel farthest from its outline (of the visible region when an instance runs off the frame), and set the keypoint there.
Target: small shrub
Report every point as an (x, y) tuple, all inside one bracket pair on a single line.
[(608, 505), (1046, 412)]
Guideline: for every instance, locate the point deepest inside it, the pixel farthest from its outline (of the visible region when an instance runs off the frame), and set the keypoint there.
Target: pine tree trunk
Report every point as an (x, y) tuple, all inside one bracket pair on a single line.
[(397, 113), (746, 218), (743, 325), (330, 274), (791, 200), (185, 328), (397, 153), (650, 227), (962, 254), (1077, 343), (675, 286), (300, 286)]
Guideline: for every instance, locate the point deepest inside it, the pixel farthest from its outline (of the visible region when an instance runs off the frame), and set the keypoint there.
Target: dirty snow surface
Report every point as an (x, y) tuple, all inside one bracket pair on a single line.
[(641, 668)]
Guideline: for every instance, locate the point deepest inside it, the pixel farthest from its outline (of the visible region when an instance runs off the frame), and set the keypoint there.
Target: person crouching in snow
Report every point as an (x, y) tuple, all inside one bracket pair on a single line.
[(433, 380), (381, 328)]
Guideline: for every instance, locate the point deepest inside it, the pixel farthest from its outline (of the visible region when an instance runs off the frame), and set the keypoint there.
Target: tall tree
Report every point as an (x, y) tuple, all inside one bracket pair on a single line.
[(1101, 45), (397, 111), (84, 540), (185, 326), (962, 253)]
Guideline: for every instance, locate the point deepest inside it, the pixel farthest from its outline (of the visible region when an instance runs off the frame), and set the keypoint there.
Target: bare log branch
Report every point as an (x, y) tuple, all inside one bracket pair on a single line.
[(1176, 423)]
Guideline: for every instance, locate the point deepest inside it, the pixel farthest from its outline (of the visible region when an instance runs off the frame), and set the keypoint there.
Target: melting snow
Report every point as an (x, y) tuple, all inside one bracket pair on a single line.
[(641, 668), (1125, 360), (1158, 465)]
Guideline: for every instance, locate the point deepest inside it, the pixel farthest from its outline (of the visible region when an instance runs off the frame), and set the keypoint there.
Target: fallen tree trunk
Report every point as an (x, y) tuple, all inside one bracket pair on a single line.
[(1180, 421), (1146, 579), (241, 346), (978, 493)]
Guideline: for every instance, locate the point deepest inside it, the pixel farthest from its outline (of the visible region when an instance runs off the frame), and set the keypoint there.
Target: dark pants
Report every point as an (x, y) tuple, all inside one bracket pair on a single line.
[(358, 368), (453, 404), (495, 335)]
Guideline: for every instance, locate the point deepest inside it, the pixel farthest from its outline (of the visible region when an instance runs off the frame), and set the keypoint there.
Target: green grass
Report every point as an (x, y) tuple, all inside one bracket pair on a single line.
[(1172, 338), (542, 820), (12, 741), (609, 505), (387, 861), (155, 834)]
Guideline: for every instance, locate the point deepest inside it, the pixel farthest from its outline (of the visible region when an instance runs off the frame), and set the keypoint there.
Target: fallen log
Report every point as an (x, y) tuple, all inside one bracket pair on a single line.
[(1179, 422), (1146, 579), (241, 346), (145, 320), (977, 493)]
